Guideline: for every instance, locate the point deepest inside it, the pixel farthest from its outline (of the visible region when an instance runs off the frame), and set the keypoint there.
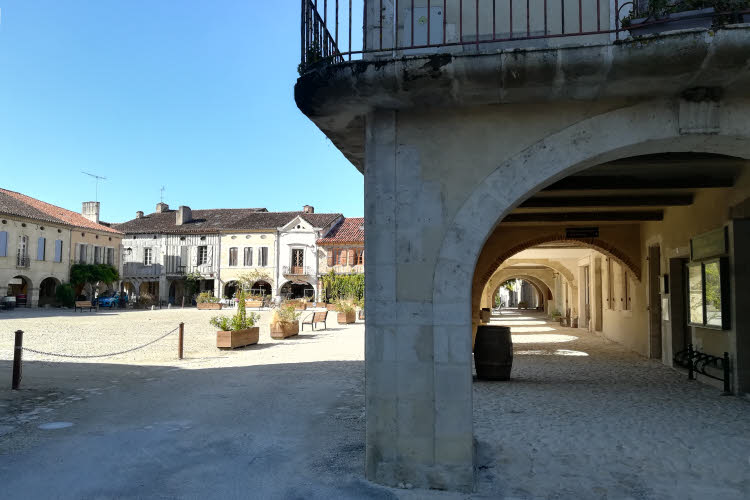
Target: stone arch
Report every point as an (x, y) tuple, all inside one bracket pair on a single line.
[(540, 287), (646, 128), (47, 290), (552, 264)]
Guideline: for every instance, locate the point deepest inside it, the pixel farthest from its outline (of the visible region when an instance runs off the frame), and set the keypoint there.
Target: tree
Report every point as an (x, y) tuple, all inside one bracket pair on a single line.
[(82, 275)]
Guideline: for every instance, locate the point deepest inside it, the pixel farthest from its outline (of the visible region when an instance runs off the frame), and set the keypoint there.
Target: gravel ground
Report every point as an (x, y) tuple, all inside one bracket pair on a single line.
[(582, 418)]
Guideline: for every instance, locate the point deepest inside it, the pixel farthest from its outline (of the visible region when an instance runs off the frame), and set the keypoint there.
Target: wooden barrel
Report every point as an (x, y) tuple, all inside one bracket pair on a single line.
[(493, 352)]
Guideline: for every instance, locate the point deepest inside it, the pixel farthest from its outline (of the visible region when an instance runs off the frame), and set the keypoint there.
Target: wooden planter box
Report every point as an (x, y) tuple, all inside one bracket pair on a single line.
[(345, 318), (300, 306), (330, 307), (284, 330), (254, 303), (209, 305), (237, 338)]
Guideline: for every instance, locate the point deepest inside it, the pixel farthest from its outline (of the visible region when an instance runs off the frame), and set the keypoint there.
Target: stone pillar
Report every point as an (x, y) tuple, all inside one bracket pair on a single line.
[(3, 291), (418, 395), (163, 288), (32, 296)]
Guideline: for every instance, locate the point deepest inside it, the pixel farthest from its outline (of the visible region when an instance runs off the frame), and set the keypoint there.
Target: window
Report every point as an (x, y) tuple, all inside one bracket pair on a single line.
[(111, 256), (248, 257), (263, 256), (707, 294), (625, 291), (148, 256), (298, 257), (3, 243), (202, 255), (98, 255), (58, 250), (233, 256), (82, 253), (360, 257), (340, 257), (610, 286), (41, 248)]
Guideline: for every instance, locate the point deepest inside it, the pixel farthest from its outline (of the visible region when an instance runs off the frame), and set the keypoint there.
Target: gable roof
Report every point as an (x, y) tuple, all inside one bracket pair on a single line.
[(350, 230), (220, 219), (13, 203)]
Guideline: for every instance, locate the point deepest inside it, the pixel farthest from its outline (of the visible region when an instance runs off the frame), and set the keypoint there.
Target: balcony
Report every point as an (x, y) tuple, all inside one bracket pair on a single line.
[(297, 271), (139, 270), (22, 261), (183, 270)]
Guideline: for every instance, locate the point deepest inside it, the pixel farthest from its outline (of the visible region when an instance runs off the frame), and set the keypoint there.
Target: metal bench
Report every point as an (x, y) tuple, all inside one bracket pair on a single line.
[(81, 304), (316, 317)]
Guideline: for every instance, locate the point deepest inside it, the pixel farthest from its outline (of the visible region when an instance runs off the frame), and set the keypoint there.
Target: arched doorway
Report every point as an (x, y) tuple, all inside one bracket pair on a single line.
[(261, 288), (297, 290), (230, 289), (47, 291), (20, 288)]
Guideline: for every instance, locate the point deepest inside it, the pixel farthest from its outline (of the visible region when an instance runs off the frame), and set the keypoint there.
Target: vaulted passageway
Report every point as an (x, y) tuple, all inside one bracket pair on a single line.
[(586, 418)]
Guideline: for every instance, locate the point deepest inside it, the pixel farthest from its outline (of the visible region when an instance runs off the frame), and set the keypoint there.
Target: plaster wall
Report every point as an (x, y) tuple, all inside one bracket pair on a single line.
[(304, 237), (97, 239), (37, 270), (255, 240)]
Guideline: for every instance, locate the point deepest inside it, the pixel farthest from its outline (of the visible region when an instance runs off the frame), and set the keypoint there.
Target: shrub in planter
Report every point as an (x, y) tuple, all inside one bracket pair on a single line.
[(284, 322), (238, 330), (206, 300), (346, 312)]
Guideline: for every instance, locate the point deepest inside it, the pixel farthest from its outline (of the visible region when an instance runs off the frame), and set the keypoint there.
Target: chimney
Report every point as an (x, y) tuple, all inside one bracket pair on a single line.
[(308, 209), (90, 210), (184, 215), (161, 207), (139, 214)]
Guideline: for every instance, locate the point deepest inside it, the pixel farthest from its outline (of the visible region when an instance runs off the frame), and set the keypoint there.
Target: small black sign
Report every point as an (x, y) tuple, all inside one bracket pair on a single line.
[(581, 232)]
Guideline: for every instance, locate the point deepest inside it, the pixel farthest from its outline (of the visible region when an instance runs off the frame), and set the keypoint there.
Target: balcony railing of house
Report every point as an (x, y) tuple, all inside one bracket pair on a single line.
[(180, 270), (22, 261), (296, 271), (392, 28), (138, 269)]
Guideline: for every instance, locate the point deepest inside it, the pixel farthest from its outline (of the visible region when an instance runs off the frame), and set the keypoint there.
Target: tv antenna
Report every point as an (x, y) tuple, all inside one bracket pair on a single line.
[(161, 194), (98, 178)]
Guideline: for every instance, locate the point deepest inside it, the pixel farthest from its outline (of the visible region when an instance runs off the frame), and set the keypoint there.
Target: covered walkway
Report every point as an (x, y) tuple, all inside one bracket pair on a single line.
[(584, 418)]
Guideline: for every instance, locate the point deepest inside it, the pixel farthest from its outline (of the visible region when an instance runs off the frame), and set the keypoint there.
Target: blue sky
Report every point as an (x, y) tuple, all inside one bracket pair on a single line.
[(193, 96)]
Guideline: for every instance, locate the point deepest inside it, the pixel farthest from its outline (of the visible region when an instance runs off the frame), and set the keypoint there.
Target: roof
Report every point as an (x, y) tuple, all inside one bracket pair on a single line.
[(13, 203), (220, 219), (350, 230)]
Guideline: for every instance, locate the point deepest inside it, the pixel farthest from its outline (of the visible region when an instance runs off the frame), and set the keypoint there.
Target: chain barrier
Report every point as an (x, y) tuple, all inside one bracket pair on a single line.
[(100, 355)]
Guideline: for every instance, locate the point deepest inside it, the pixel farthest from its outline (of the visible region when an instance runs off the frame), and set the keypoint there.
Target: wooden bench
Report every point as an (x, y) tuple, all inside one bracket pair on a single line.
[(81, 304), (254, 304), (316, 317)]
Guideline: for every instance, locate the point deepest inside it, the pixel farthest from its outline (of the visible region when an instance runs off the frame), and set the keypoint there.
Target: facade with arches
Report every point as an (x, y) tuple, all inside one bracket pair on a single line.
[(469, 160)]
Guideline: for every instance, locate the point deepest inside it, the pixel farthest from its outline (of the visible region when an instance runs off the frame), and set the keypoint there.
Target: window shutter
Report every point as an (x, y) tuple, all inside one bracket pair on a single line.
[(351, 257), (330, 257), (58, 250), (40, 248), (90, 254), (3, 243), (362, 257)]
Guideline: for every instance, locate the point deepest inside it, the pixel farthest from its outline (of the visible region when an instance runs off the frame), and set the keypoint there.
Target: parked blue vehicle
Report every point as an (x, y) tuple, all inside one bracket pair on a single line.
[(110, 299)]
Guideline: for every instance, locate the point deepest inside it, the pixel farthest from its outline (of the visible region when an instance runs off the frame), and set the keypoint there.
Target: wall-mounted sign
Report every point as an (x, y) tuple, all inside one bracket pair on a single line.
[(581, 232), (711, 244)]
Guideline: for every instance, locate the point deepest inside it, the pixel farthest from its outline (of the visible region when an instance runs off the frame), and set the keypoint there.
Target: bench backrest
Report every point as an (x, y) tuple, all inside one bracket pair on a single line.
[(320, 317), (83, 303)]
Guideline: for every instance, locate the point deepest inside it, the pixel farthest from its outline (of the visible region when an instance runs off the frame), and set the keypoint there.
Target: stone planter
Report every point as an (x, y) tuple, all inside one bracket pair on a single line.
[(284, 330), (674, 21), (238, 338), (209, 305), (345, 318)]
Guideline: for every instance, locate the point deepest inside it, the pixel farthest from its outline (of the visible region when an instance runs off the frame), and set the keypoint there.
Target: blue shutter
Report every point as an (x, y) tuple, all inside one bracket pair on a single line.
[(3, 243), (58, 250), (40, 248)]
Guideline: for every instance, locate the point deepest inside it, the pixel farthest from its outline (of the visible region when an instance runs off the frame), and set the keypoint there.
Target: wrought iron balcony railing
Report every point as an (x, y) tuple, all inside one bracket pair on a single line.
[(296, 271), (392, 28), (23, 261)]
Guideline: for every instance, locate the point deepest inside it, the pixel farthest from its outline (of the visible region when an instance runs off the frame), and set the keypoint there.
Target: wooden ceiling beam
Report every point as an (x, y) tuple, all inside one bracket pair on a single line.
[(591, 182), (636, 216), (667, 200)]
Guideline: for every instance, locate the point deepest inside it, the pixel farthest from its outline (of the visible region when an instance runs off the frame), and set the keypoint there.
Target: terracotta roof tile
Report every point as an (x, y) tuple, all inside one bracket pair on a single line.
[(13, 203), (350, 230)]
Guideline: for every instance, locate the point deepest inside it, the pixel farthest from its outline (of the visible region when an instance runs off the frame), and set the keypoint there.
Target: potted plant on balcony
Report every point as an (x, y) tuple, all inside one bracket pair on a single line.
[(206, 300), (670, 15), (346, 311), (284, 322), (238, 330)]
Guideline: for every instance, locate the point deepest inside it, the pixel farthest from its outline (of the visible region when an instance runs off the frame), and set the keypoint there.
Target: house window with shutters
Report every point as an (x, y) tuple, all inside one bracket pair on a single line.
[(263, 256), (248, 257), (340, 257), (626, 291), (3, 243), (233, 256), (41, 248), (360, 257), (98, 255), (148, 256), (111, 256), (298, 260), (82, 253), (58, 250), (202, 255)]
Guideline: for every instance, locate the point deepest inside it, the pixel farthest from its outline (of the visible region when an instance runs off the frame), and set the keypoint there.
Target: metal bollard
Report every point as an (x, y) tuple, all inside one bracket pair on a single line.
[(182, 337), (17, 368)]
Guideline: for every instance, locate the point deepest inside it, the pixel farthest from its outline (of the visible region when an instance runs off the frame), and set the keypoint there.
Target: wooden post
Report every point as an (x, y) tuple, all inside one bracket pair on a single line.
[(182, 336), (17, 368)]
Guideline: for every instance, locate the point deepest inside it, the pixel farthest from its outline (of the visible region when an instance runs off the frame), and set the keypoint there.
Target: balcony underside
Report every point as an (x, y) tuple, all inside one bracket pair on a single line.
[(338, 97)]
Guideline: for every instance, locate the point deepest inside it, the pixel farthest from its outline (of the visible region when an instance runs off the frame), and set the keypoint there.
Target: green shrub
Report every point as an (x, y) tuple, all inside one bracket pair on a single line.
[(66, 295), (205, 297), (240, 321)]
